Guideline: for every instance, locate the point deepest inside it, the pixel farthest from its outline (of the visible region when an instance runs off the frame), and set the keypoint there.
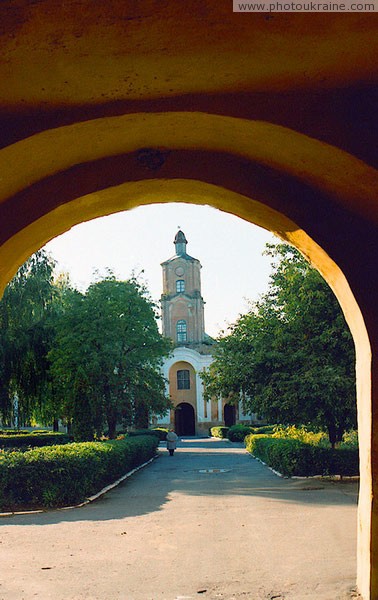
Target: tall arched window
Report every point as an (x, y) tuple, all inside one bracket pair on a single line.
[(181, 330), (180, 285)]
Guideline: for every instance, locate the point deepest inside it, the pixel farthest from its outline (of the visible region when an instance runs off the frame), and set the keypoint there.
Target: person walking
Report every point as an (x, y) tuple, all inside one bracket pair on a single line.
[(171, 441)]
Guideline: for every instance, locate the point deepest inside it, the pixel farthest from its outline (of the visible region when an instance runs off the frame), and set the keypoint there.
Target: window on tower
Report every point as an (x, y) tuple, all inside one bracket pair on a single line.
[(181, 330), (180, 285), (183, 380)]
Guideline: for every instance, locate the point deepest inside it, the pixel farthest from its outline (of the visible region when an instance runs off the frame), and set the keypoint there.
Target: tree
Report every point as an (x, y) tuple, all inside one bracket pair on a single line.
[(107, 356), (26, 338), (291, 356)]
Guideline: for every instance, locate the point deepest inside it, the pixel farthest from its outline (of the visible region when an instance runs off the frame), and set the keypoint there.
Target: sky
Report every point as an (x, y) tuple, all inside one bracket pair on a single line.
[(229, 249)]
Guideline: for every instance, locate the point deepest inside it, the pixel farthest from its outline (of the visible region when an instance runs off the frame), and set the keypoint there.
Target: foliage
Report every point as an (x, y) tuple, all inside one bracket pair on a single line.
[(162, 431), (33, 439), (219, 432), (291, 457), (138, 432), (86, 358), (302, 434), (25, 340), (264, 429), (350, 439), (65, 475), (291, 357), (237, 433), (105, 364)]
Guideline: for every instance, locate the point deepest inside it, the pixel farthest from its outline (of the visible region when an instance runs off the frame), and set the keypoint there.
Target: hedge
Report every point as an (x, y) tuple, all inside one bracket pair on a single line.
[(159, 432), (64, 475), (264, 429), (219, 432), (162, 431), (33, 439), (293, 457), (237, 433)]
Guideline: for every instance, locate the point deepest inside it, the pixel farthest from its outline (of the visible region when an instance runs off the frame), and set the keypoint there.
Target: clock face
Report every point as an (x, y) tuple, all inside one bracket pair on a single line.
[(179, 271)]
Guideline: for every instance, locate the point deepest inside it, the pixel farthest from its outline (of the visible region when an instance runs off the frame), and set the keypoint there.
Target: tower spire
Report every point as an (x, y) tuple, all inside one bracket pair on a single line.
[(180, 242)]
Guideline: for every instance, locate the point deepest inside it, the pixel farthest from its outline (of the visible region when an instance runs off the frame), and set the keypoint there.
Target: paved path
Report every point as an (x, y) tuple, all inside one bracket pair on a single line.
[(209, 522)]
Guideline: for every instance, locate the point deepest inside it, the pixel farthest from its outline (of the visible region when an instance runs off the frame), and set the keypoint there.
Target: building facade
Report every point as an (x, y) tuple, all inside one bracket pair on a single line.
[(182, 311)]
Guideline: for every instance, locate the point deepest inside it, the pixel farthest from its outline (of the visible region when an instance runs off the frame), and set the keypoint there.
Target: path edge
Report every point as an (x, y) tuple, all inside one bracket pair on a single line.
[(88, 500)]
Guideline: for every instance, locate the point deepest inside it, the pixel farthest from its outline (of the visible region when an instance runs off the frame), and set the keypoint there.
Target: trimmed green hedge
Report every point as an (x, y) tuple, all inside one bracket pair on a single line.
[(139, 432), (64, 475), (219, 432), (293, 457), (237, 433), (24, 439), (159, 432), (264, 429), (162, 432)]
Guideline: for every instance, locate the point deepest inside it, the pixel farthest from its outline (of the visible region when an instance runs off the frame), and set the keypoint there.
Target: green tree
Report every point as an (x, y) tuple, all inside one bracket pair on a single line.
[(26, 338), (291, 356), (107, 356)]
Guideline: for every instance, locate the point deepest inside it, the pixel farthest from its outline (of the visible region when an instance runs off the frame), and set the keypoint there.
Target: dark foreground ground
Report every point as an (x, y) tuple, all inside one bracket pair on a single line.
[(209, 522)]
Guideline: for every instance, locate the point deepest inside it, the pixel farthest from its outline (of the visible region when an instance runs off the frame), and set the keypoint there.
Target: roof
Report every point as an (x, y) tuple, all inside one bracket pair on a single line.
[(176, 256), (180, 238)]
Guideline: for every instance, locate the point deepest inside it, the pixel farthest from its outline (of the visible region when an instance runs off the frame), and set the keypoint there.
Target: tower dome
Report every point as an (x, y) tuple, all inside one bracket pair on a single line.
[(180, 242)]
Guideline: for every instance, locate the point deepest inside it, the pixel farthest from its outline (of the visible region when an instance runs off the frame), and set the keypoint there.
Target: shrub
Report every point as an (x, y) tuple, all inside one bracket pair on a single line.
[(219, 432), (293, 457), (237, 433), (33, 439), (138, 432), (14, 431), (64, 475), (162, 431), (350, 439), (264, 429), (302, 434)]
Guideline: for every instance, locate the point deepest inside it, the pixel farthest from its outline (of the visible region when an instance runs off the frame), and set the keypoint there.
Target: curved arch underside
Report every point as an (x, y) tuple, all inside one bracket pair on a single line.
[(317, 197), (264, 173)]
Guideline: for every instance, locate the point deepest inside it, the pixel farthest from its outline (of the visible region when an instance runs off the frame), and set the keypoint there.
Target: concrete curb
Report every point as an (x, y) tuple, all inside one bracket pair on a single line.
[(268, 467), (87, 500), (321, 477)]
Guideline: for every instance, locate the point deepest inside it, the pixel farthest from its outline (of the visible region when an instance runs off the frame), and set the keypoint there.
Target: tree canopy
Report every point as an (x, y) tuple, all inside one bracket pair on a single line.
[(107, 356), (90, 358), (25, 339), (291, 357)]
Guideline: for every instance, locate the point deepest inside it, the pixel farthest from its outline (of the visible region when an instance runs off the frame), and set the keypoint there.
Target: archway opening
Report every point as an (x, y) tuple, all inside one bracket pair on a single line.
[(185, 419), (311, 194)]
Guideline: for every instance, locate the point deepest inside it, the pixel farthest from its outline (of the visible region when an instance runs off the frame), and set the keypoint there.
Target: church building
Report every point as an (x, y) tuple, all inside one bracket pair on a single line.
[(182, 311)]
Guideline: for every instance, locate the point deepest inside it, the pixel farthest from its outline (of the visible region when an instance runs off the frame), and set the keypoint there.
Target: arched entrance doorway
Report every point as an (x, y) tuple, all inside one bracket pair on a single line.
[(229, 415), (185, 419)]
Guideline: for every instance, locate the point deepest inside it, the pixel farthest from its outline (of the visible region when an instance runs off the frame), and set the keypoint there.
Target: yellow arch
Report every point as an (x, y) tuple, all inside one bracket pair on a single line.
[(339, 174), (335, 174)]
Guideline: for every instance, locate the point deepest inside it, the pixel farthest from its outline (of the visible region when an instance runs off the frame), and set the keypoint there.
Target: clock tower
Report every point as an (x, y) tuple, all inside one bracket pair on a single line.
[(182, 311), (182, 305)]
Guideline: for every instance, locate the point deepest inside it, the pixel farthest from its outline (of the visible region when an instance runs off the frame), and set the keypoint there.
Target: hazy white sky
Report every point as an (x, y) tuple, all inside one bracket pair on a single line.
[(229, 249)]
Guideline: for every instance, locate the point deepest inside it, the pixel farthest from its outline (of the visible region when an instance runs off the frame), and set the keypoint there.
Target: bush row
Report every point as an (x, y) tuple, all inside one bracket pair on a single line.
[(158, 432), (63, 475), (33, 439), (219, 432), (293, 457), (237, 433), (22, 431)]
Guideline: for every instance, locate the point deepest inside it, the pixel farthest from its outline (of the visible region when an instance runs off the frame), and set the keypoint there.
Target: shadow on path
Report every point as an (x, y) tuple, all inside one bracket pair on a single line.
[(200, 467)]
